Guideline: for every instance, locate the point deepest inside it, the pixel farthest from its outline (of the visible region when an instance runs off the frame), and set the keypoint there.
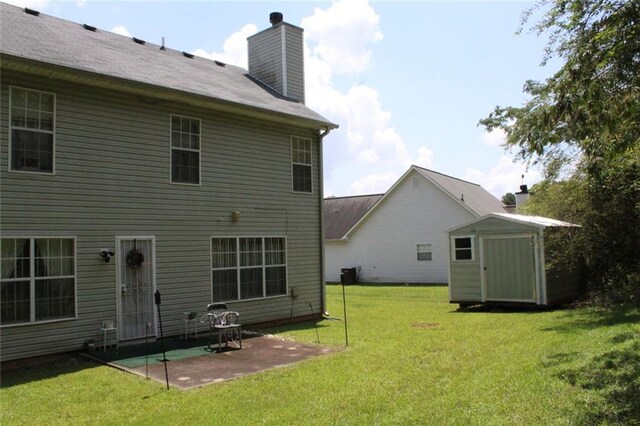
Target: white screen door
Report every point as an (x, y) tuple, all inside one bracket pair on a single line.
[(136, 284)]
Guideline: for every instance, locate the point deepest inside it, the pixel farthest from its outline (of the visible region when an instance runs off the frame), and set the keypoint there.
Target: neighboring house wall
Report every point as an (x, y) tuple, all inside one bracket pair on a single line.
[(112, 178), (384, 245)]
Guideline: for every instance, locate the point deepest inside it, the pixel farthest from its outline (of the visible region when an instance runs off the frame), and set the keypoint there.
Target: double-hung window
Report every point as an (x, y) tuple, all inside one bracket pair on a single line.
[(301, 168), (32, 129), (463, 248), (38, 279), (185, 150), (248, 267), (424, 251)]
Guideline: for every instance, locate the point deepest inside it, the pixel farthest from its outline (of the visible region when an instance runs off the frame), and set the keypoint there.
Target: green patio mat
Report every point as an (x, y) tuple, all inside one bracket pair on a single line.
[(137, 355)]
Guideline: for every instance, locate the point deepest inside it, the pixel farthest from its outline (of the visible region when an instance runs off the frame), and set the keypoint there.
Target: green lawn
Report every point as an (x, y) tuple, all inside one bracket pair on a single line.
[(412, 359)]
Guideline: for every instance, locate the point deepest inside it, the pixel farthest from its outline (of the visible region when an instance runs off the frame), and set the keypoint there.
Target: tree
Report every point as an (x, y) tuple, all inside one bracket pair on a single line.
[(509, 199), (587, 116), (593, 102)]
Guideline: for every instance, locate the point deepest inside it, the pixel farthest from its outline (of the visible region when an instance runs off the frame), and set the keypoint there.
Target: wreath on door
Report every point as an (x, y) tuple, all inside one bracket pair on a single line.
[(135, 257)]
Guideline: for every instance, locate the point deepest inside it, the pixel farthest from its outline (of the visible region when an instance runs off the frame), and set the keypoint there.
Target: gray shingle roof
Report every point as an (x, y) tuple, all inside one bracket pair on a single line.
[(471, 195), (343, 212), (54, 41)]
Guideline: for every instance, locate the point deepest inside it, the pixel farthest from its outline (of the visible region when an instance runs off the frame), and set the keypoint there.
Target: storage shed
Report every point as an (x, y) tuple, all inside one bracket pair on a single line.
[(504, 258)]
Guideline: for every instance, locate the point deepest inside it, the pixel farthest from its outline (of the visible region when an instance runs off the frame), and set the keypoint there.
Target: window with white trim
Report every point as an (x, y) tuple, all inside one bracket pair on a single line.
[(424, 252), (38, 279), (248, 267), (185, 150), (463, 248), (301, 168), (32, 129)]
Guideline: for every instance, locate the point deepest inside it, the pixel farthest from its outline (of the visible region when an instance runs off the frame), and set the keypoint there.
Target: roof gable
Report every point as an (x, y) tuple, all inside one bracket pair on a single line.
[(48, 40), (342, 213), (472, 197)]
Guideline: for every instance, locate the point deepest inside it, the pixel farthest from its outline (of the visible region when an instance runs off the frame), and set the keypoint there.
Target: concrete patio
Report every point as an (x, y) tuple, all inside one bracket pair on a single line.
[(198, 367)]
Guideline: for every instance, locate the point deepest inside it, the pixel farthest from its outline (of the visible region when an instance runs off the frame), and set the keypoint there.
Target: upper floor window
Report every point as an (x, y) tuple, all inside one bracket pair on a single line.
[(463, 248), (32, 129), (185, 150), (424, 251), (37, 279), (301, 164)]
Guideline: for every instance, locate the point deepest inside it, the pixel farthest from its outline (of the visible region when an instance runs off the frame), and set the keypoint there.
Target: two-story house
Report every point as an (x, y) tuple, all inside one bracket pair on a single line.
[(128, 167)]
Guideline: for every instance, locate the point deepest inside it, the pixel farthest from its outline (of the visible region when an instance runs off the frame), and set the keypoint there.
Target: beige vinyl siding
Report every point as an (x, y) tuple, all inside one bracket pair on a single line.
[(464, 275), (113, 179)]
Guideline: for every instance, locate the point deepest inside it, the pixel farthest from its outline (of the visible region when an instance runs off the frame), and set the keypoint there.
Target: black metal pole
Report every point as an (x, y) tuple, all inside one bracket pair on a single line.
[(344, 307), (147, 326), (164, 354), (314, 322)]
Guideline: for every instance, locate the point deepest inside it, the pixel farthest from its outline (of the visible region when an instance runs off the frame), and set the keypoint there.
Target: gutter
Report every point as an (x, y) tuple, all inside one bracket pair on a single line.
[(323, 293)]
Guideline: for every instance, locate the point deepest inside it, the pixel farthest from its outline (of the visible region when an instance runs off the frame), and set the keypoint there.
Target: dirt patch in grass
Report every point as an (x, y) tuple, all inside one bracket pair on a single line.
[(425, 325)]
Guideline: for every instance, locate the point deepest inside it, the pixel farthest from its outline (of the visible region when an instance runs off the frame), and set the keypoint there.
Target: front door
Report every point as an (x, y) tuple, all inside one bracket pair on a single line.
[(509, 269), (136, 284)]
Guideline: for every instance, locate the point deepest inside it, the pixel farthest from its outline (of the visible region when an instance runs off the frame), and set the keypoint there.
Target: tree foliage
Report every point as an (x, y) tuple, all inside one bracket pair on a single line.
[(587, 116), (593, 102), (509, 199)]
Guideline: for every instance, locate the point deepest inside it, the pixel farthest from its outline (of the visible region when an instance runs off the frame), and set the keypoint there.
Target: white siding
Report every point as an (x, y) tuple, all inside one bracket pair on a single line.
[(384, 245)]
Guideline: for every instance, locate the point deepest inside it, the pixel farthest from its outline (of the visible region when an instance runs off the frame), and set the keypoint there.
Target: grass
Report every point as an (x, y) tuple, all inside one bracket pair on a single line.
[(412, 359)]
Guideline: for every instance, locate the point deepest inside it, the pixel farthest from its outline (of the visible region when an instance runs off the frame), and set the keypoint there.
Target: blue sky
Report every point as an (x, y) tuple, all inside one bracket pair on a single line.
[(407, 81)]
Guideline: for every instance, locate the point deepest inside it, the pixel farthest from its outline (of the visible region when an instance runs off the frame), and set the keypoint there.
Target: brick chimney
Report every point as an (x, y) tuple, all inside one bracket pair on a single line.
[(276, 57)]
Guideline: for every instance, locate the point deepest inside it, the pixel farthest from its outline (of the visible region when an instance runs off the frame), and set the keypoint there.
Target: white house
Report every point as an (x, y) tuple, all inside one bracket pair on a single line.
[(399, 236)]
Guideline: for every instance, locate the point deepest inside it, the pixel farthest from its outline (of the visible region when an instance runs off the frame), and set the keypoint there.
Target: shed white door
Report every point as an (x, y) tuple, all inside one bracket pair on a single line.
[(136, 285), (509, 269)]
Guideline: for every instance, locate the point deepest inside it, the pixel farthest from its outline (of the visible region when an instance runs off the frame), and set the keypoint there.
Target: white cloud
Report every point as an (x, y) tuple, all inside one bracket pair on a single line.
[(373, 183), (340, 34), (425, 158), (337, 42), (120, 29), (504, 177), (495, 138), (234, 49), (370, 135)]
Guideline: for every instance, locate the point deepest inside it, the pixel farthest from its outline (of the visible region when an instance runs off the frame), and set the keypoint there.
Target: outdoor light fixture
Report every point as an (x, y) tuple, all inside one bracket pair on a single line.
[(106, 254)]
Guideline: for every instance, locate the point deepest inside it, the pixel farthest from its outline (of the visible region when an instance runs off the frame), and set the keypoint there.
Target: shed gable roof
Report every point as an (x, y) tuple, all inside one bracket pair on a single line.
[(45, 39), (534, 221)]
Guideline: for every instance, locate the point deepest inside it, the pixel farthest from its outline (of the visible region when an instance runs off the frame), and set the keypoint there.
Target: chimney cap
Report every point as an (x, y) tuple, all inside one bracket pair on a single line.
[(524, 189), (275, 18)]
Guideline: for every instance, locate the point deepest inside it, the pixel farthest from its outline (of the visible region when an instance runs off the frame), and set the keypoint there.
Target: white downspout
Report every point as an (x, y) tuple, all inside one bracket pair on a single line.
[(321, 184)]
